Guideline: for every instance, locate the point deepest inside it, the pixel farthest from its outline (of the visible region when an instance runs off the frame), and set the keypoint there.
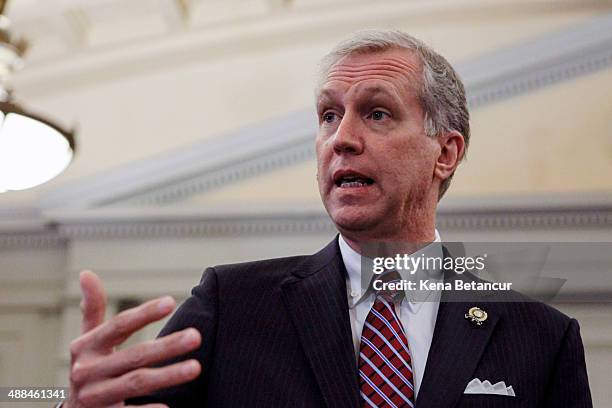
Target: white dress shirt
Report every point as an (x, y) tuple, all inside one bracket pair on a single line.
[(417, 317)]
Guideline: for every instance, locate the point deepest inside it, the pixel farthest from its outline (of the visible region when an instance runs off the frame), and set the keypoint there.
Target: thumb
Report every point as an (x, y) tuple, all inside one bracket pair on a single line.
[(93, 304)]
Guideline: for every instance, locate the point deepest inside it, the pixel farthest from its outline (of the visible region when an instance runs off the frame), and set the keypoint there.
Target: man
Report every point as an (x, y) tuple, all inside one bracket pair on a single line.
[(310, 331)]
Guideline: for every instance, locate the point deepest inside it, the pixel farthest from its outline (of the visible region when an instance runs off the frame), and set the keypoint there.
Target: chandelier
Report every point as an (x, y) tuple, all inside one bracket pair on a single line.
[(33, 149)]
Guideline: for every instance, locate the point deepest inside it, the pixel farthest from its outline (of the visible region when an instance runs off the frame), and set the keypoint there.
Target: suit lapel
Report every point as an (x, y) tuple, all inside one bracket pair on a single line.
[(315, 297), (456, 348)]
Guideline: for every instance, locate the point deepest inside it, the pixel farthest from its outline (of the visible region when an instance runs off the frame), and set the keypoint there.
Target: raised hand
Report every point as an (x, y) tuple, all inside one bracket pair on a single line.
[(103, 377)]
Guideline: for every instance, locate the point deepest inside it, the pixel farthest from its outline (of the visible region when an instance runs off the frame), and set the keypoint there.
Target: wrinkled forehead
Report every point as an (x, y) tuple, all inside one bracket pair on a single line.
[(399, 66)]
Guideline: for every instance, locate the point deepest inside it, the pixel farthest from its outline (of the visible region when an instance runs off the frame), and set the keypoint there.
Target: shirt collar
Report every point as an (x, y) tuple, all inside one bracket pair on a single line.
[(352, 263)]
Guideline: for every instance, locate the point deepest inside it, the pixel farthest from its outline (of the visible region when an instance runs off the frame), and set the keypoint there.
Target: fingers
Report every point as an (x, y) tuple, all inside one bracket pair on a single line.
[(120, 327), (137, 356), (93, 304), (99, 377), (137, 383)]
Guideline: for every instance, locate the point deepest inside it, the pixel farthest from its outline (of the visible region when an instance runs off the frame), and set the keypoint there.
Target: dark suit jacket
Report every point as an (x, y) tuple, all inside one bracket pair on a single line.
[(276, 333)]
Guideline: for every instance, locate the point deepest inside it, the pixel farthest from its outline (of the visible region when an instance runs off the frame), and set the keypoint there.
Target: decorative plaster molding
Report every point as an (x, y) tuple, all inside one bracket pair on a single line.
[(544, 61), (230, 173), (44, 239), (313, 223), (473, 215), (212, 164), (319, 223), (543, 219), (198, 168), (528, 213)]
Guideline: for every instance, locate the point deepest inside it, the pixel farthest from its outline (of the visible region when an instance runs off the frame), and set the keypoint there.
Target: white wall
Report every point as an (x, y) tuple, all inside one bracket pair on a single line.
[(39, 295)]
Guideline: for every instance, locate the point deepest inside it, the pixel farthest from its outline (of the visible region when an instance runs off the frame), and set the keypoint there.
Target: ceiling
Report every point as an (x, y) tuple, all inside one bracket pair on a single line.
[(145, 80)]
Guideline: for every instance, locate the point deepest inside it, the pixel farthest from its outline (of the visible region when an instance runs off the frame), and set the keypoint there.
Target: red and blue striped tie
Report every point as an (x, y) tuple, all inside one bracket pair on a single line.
[(385, 370)]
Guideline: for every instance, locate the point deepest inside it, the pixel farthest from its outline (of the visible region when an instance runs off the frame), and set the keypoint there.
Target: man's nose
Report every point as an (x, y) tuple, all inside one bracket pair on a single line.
[(348, 138)]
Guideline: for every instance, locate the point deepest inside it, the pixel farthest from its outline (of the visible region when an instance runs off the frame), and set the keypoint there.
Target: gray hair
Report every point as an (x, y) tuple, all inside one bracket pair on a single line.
[(442, 94)]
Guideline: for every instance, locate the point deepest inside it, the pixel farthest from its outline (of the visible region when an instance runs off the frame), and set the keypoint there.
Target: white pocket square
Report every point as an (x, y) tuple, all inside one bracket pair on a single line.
[(485, 387)]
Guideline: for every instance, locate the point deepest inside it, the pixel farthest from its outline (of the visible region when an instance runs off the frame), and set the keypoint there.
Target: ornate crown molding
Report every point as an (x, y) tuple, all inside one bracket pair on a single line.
[(319, 223), (50, 239), (547, 60), (196, 169), (526, 220), (519, 213), (232, 172), (473, 215), (294, 224)]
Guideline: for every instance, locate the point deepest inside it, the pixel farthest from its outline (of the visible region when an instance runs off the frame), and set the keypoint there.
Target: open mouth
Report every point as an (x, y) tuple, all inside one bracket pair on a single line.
[(352, 180)]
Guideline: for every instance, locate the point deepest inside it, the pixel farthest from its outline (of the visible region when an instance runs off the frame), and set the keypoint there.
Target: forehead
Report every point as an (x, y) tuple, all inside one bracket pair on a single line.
[(399, 68)]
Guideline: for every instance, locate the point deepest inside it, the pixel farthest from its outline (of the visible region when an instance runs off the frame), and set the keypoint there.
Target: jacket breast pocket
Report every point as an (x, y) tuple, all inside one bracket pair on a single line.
[(490, 401)]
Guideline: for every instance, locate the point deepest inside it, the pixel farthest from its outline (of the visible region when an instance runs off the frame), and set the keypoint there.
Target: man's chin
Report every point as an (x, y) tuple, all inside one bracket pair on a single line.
[(353, 221)]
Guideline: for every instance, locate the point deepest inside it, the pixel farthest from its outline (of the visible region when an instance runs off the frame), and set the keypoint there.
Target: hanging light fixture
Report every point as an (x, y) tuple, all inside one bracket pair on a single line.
[(33, 150)]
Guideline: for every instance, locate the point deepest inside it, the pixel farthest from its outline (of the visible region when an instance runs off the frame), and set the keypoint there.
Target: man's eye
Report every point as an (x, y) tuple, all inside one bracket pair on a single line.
[(378, 115), (329, 117)]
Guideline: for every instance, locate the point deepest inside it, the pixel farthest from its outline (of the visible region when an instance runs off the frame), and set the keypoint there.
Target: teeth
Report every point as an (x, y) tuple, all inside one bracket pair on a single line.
[(352, 181), (347, 184)]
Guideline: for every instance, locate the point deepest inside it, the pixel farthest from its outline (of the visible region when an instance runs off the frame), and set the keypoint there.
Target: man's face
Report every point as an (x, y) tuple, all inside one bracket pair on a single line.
[(375, 165)]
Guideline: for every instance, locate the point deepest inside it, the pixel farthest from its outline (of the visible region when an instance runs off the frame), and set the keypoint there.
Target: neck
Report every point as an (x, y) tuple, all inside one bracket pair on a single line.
[(408, 233), (403, 241)]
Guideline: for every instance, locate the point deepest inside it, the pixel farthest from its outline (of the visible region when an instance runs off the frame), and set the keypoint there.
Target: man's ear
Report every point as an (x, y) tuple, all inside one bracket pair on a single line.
[(452, 149)]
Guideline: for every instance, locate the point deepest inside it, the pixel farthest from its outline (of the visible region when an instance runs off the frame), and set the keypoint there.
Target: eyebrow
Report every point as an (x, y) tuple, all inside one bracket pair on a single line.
[(371, 91), (376, 90), (326, 94)]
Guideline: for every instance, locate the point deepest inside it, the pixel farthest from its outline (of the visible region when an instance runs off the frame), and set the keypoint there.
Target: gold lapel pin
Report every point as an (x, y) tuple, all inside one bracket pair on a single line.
[(476, 315)]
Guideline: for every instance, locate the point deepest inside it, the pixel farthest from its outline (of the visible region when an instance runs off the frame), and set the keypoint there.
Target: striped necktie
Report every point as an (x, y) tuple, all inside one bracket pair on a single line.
[(385, 370)]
